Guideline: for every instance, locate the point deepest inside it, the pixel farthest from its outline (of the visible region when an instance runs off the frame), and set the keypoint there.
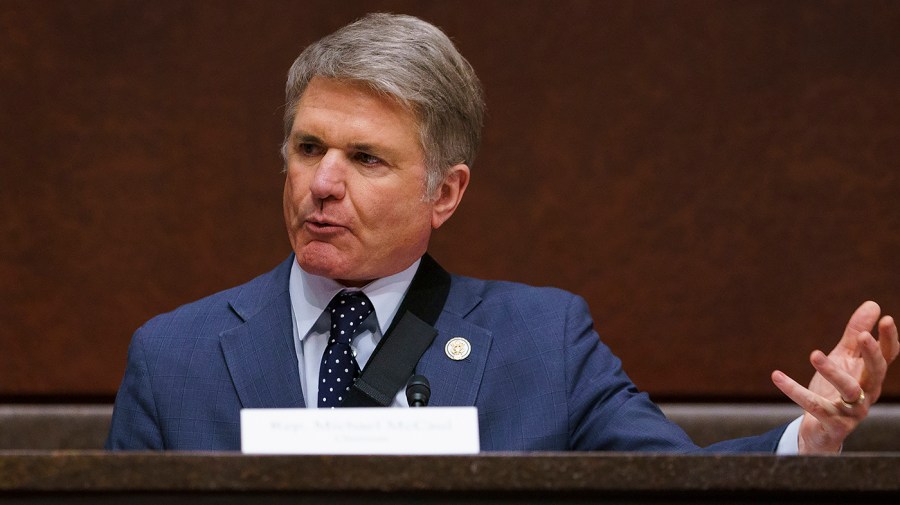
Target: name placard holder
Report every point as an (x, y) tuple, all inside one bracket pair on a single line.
[(431, 430)]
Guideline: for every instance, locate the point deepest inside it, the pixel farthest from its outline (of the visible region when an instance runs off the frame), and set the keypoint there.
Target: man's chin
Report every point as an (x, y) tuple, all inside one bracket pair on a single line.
[(331, 267)]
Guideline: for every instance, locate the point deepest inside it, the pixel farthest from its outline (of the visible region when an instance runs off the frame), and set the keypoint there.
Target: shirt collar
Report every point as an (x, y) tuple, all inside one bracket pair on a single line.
[(310, 295)]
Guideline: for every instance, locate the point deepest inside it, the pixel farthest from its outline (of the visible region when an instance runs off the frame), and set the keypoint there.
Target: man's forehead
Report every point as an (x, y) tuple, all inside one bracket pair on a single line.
[(330, 107), (359, 90)]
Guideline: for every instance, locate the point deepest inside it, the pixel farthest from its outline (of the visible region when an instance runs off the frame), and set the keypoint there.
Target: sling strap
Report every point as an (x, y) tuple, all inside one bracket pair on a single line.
[(404, 343)]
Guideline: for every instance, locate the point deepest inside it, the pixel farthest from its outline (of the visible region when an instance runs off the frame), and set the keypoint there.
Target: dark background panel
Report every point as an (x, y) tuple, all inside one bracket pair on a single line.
[(717, 179)]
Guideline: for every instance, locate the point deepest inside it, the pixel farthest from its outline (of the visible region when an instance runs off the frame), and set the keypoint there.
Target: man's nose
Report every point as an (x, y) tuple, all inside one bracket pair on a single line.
[(329, 179)]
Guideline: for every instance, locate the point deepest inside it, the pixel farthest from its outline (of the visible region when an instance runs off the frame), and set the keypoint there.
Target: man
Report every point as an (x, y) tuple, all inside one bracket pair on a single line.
[(382, 124)]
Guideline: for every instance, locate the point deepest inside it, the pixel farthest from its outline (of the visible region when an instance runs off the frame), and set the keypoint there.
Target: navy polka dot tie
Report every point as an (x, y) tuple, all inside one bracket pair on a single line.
[(339, 369)]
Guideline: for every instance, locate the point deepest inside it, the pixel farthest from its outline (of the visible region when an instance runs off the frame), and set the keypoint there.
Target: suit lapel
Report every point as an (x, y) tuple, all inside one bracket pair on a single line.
[(456, 382), (260, 353)]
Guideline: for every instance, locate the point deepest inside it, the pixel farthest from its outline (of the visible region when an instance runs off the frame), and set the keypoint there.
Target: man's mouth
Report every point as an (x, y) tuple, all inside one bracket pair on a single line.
[(319, 225)]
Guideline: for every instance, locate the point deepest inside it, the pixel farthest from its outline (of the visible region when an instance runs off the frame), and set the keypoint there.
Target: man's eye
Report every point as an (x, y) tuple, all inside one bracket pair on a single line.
[(307, 149), (367, 159)]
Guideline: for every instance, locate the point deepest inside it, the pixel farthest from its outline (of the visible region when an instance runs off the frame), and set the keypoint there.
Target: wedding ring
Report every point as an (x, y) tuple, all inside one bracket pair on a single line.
[(861, 398)]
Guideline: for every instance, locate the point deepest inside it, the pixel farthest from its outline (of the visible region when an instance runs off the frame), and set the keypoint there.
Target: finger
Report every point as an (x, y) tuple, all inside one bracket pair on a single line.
[(806, 399), (847, 386), (875, 364), (863, 319), (887, 338)]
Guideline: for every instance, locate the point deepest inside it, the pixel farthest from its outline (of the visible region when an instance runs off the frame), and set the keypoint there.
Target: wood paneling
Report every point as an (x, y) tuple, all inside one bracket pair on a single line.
[(717, 179)]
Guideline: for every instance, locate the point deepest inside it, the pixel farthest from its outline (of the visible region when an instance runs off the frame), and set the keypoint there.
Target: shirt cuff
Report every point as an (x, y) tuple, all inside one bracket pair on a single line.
[(789, 444)]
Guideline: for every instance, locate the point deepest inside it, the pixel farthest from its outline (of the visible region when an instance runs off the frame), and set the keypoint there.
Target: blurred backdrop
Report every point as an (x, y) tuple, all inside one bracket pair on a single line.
[(718, 179)]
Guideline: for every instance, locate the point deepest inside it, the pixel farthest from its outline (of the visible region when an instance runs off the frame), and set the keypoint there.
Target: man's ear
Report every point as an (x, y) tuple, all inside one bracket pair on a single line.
[(449, 194)]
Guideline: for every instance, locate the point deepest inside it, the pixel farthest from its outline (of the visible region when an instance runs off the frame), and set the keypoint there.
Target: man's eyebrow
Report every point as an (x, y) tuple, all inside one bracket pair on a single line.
[(383, 151), (367, 148), (305, 137)]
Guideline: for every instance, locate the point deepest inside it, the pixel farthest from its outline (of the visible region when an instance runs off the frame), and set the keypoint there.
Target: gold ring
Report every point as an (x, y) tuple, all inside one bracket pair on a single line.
[(861, 398)]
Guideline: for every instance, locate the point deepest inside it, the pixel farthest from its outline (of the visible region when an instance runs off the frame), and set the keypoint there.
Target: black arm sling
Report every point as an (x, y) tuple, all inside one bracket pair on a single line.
[(410, 334)]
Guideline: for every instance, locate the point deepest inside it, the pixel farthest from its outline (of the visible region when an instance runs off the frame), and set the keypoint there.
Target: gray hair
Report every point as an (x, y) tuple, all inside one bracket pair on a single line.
[(415, 63)]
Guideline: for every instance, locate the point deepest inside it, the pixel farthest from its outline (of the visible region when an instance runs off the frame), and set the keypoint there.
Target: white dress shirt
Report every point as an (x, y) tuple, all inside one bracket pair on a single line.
[(310, 294)]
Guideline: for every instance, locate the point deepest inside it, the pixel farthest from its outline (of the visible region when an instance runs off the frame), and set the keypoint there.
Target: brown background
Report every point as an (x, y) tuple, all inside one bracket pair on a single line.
[(717, 179)]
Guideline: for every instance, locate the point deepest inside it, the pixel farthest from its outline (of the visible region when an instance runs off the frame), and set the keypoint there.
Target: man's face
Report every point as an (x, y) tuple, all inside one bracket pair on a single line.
[(354, 195)]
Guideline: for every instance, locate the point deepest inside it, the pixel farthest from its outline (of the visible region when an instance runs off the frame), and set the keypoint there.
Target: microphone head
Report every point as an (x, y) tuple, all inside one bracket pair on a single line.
[(418, 391)]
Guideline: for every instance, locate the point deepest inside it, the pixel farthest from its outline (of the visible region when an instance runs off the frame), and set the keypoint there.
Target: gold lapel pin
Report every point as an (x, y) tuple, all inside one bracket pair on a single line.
[(458, 348)]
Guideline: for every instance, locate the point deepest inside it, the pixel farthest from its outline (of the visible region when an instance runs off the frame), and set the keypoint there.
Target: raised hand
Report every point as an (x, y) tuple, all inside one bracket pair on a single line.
[(846, 383)]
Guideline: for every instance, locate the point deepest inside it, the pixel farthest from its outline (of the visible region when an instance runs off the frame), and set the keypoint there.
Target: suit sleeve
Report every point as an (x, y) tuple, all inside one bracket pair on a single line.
[(608, 412), (134, 423)]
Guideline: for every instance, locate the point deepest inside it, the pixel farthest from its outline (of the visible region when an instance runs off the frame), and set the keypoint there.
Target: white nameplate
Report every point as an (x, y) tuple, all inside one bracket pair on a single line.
[(427, 430)]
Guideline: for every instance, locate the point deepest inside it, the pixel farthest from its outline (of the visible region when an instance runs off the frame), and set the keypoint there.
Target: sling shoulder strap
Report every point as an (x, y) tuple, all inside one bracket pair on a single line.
[(404, 343)]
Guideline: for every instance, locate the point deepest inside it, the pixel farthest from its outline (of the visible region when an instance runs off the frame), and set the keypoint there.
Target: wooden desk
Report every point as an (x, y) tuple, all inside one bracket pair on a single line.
[(200, 478)]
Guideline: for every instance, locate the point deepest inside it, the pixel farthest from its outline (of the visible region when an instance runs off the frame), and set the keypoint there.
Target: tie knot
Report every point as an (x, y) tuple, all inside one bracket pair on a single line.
[(348, 310)]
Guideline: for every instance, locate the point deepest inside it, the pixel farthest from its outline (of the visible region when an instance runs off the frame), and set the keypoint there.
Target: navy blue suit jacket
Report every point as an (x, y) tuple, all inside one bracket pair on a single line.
[(540, 376)]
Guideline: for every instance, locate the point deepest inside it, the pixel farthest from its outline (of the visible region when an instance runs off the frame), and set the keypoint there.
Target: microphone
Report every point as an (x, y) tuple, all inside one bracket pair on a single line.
[(418, 391)]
